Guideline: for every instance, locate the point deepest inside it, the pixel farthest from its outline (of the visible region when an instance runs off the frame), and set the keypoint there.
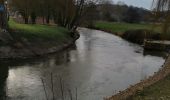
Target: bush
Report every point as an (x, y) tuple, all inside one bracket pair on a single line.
[(138, 36)]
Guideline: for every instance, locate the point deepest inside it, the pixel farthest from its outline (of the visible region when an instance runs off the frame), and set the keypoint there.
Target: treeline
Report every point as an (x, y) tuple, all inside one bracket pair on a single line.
[(65, 13), (118, 13), (106, 10), (69, 13)]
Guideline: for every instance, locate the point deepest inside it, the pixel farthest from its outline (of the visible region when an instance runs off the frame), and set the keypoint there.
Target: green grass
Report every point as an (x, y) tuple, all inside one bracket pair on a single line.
[(158, 91), (33, 32), (121, 27)]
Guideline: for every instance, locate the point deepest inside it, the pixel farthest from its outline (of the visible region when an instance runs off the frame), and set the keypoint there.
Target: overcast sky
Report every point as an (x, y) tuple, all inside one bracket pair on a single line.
[(139, 3)]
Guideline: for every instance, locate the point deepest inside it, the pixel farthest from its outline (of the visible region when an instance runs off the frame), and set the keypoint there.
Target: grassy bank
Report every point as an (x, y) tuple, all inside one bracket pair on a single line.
[(135, 33), (158, 91), (121, 27), (38, 32), (28, 40)]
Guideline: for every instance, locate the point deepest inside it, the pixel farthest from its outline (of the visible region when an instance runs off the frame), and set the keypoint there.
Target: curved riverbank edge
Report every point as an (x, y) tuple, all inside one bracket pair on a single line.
[(137, 36), (23, 51), (132, 90)]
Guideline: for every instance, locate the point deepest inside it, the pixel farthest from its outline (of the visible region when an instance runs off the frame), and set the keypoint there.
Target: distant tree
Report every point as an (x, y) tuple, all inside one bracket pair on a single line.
[(132, 15), (90, 14), (119, 10), (121, 3), (24, 7), (106, 10), (105, 2)]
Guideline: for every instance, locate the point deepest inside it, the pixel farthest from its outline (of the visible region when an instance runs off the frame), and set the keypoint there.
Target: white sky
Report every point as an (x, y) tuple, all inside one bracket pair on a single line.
[(139, 3)]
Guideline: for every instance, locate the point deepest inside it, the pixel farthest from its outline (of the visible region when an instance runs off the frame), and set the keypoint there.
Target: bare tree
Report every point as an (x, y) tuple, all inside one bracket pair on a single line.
[(65, 13), (162, 9), (161, 5)]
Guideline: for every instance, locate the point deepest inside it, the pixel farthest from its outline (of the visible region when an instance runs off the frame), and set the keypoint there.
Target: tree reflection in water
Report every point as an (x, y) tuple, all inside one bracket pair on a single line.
[(3, 77), (6, 65)]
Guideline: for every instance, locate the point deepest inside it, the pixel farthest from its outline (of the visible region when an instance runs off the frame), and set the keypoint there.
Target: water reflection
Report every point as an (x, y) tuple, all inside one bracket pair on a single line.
[(3, 77), (19, 78), (99, 65), (155, 53)]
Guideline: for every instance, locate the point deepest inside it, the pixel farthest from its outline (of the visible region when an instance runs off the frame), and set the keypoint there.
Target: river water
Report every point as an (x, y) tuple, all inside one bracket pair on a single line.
[(98, 66)]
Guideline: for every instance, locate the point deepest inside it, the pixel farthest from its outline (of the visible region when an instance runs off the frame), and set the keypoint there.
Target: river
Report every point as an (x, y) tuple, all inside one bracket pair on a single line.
[(99, 65)]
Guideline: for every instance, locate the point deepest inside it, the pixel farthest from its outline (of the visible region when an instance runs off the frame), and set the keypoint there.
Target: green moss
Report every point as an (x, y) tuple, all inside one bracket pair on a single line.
[(34, 32)]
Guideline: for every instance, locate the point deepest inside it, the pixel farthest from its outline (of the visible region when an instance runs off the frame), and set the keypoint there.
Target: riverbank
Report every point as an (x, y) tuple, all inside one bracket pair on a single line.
[(157, 91), (35, 40), (120, 27), (135, 33), (153, 83)]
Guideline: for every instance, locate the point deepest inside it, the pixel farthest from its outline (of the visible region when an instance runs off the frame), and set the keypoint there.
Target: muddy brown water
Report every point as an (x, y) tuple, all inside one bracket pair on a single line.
[(99, 65)]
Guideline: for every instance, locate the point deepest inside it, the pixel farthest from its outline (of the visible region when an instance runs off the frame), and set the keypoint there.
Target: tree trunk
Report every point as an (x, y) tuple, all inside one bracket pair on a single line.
[(33, 18), (26, 20), (48, 15), (48, 19), (43, 19)]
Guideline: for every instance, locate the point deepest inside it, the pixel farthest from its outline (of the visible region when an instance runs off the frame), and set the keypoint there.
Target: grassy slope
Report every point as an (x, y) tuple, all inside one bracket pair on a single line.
[(158, 91), (35, 32), (121, 27)]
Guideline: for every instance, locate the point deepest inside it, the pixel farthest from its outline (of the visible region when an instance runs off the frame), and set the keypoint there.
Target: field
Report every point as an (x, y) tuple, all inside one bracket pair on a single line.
[(35, 32), (122, 27)]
